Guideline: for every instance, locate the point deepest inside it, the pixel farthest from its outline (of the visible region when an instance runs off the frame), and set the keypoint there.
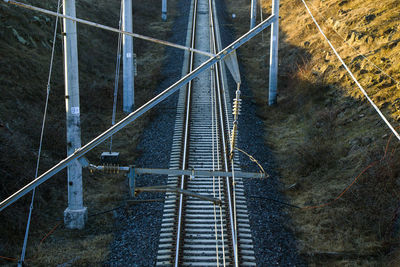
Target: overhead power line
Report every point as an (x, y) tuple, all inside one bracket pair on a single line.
[(352, 76), (107, 28), (352, 47)]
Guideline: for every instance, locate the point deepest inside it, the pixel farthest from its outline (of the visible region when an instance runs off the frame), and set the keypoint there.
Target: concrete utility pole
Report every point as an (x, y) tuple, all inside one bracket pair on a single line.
[(253, 14), (164, 10), (127, 44), (273, 63), (75, 215)]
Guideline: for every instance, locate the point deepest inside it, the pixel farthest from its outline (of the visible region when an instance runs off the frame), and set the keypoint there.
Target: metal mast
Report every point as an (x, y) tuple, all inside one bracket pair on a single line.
[(273, 65), (127, 44), (253, 14), (164, 10), (75, 215)]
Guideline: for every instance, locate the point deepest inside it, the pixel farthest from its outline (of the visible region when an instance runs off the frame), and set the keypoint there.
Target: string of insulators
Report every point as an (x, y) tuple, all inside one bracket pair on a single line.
[(235, 111), (237, 106), (111, 168)]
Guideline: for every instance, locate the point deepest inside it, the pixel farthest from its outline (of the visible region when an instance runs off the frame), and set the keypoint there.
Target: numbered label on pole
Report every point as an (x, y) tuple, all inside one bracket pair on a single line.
[(75, 110)]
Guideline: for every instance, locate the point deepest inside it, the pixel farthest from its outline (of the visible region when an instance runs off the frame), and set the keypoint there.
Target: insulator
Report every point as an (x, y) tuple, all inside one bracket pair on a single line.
[(236, 106), (233, 137)]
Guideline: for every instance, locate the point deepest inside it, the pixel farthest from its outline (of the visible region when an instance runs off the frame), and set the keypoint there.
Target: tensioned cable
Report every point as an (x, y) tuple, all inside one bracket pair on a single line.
[(219, 167), (352, 76), (232, 165), (215, 139), (107, 28), (352, 47), (219, 179), (213, 165), (21, 261), (213, 154), (261, 16), (117, 70), (233, 135)]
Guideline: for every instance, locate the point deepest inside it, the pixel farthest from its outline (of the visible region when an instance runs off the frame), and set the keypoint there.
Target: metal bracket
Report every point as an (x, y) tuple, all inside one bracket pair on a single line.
[(177, 191), (191, 173), (131, 181), (84, 162)]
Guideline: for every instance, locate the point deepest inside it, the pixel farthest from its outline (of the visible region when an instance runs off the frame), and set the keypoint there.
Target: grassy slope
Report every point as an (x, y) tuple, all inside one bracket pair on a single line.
[(25, 52), (323, 131)]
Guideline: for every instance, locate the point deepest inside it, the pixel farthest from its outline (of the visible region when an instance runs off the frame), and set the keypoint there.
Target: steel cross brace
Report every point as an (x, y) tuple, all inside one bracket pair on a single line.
[(136, 114), (192, 173), (133, 171)]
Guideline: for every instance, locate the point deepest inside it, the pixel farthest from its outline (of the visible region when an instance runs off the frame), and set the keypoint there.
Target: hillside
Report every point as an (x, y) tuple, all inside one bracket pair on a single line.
[(338, 162), (25, 48), (324, 133)]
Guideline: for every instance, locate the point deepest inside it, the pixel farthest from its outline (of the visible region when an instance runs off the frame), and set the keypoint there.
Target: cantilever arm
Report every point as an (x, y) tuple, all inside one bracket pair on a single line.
[(135, 114)]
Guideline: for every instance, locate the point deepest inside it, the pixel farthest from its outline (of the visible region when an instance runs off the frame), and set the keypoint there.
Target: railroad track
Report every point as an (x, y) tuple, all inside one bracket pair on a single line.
[(196, 232)]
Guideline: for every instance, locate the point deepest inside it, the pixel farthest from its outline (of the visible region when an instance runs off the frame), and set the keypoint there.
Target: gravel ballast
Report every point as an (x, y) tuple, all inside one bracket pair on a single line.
[(137, 230)]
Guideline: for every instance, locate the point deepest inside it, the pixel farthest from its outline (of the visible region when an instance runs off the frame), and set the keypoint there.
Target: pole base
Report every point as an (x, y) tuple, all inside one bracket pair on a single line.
[(272, 102), (75, 219), (164, 16)]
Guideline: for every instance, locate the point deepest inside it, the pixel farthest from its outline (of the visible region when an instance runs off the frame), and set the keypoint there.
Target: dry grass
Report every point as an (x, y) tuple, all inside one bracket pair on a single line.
[(324, 133), (23, 75)]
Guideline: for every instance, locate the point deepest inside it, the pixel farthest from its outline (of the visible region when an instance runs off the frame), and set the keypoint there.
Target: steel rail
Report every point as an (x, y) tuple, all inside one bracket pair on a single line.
[(224, 152), (186, 141), (216, 151), (107, 28), (223, 149), (135, 114), (223, 103)]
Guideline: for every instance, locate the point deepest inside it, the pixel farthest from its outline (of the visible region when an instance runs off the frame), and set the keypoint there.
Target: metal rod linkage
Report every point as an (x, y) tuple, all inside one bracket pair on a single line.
[(178, 191), (191, 173)]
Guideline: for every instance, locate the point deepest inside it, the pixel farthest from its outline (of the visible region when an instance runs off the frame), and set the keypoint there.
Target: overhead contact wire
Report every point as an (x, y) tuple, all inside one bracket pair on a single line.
[(107, 28), (352, 47), (213, 151), (231, 199), (213, 166), (117, 71), (215, 130)]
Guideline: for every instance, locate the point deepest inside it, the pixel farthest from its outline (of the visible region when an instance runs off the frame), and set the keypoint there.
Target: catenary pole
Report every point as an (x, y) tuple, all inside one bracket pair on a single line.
[(273, 64), (76, 214), (253, 14), (127, 44), (164, 10)]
